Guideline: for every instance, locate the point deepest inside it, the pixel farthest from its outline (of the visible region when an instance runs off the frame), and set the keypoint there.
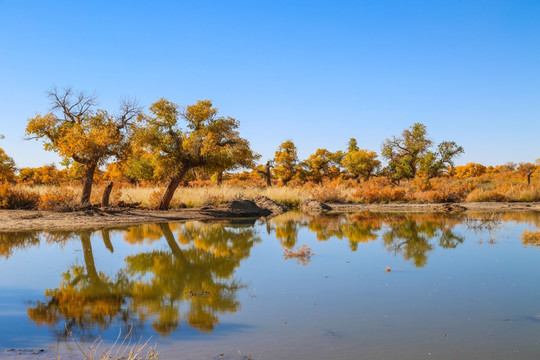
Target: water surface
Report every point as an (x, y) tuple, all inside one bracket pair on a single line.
[(376, 286)]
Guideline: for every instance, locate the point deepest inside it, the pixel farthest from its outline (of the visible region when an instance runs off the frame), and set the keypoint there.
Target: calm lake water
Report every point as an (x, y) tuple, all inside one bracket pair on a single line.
[(376, 286)]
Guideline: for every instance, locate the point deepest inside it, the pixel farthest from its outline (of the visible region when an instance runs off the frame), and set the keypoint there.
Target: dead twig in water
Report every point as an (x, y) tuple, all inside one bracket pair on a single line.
[(490, 222), (124, 351), (303, 254)]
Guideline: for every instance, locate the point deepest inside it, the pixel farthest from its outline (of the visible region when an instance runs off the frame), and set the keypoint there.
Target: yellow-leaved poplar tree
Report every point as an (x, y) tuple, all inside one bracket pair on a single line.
[(7, 166), (286, 161), (362, 163), (78, 132), (207, 141), (323, 164)]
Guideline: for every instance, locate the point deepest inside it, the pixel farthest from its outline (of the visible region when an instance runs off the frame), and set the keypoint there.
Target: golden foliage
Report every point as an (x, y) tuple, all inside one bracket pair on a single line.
[(286, 162), (90, 138), (7, 167), (362, 163), (80, 134), (469, 170), (44, 175), (323, 165)]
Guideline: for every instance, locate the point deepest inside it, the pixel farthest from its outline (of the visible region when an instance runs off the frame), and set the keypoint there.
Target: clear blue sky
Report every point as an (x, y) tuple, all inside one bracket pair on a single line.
[(316, 72)]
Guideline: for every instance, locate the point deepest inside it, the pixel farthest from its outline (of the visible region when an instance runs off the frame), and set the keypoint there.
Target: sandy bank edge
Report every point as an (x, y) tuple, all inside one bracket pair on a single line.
[(24, 220), (479, 206)]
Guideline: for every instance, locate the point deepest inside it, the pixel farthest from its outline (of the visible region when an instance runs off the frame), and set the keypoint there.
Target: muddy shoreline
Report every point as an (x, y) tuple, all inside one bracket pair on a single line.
[(23, 220)]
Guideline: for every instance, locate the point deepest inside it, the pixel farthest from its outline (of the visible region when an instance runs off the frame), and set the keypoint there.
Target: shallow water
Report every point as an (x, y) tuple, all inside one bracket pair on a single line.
[(376, 286)]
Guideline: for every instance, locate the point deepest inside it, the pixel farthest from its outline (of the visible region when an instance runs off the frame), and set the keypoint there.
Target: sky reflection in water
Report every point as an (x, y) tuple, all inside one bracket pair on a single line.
[(458, 287)]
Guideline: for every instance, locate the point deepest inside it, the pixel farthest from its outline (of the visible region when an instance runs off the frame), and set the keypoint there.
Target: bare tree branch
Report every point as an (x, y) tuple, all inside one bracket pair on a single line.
[(129, 110), (72, 106)]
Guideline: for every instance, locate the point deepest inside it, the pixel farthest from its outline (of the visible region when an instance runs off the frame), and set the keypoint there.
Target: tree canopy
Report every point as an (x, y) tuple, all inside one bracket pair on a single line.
[(411, 152)]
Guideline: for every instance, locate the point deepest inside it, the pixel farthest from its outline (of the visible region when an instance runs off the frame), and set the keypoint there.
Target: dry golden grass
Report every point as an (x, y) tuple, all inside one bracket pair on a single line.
[(376, 190), (198, 196), (506, 192), (47, 189)]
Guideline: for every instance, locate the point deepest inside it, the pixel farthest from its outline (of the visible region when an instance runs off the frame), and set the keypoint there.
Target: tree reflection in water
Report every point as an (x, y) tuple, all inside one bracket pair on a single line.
[(408, 235), (85, 299), (11, 241), (193, 282), (199, 275)]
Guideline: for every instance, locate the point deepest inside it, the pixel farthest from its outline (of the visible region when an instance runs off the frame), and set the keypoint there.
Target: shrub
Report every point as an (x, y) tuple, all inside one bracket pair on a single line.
[(480, 195), (520, 192), (155, 198), (444, 190), (328, 194), (62, 199), (379, 192), (431, 196), (421, 183), (12, 198)]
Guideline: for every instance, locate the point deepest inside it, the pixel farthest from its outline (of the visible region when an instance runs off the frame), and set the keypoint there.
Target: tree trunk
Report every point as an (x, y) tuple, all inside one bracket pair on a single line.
[(267, 173), (88, 179), (173, 244), (286, 180), (106, 195), (452, 170), (106, 235), (529, 178), (220, 178), (268, 176), (171, 188), (89, 258)]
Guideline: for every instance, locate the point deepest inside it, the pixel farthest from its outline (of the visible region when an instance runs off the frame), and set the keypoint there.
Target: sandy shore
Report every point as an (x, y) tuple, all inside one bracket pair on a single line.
[(480, 207), (19, 220)]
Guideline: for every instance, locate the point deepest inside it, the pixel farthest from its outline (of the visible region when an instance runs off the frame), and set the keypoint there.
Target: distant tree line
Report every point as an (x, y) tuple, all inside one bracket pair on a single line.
[(173, 145)]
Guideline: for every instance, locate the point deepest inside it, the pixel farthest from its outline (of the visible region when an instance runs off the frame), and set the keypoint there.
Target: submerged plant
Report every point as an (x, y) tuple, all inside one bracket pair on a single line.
[(530, 237), (490, 222), (303, 254), (123, 351)]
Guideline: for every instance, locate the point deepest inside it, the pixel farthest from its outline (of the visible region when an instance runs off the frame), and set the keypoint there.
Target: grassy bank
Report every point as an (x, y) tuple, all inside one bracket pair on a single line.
[(375, 191)]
